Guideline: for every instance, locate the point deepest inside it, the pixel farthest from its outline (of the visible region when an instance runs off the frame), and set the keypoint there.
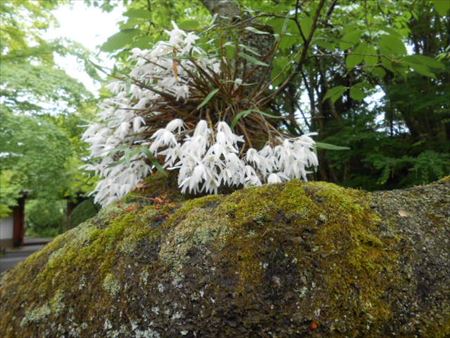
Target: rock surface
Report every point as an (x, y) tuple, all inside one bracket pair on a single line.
[(286, 260)]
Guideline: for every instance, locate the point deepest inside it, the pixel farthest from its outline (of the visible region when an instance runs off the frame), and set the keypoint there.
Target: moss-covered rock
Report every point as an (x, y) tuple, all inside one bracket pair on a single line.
[(284, 260)]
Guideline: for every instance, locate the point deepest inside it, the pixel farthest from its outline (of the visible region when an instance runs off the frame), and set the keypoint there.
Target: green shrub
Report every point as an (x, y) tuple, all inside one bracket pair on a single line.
[(45, 217)]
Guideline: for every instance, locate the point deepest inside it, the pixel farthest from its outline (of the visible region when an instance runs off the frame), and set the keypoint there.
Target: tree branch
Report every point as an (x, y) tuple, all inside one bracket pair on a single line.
[(223, 8), (302, 55)]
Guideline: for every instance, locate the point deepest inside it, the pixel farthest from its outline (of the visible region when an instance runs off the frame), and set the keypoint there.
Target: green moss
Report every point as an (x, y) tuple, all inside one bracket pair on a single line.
[(342, 243), (53, 307), (192, 227), (111, 284), (297, 250)]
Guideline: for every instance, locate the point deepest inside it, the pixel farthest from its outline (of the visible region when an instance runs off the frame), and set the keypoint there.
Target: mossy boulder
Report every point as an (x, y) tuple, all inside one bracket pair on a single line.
[(285, 260)]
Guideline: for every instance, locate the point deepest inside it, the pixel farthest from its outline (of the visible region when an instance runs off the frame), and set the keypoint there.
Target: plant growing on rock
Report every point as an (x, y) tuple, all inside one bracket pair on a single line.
[(196, 111)]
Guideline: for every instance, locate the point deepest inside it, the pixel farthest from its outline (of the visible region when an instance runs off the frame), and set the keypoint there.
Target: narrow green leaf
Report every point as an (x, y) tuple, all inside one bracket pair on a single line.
[(253, 60), (240, 115), (245, 113), (248, 49), (159, 167), (256, 31), (154, 161), (268, 115), (208, 98), (328, 146)]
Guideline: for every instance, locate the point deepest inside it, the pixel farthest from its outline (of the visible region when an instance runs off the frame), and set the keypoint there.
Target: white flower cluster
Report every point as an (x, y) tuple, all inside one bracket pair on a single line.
[(121, 123), (206, 160), (209, 159)]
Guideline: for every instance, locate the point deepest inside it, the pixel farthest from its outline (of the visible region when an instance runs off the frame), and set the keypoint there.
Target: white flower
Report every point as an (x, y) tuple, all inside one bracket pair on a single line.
[(190, 41), (175, 125), (176, 35), (274, 178), (251, 178), (252, 156), (181, 91), (138, 121), (122, 131), (223, 127), (162, 137), (202, 129)]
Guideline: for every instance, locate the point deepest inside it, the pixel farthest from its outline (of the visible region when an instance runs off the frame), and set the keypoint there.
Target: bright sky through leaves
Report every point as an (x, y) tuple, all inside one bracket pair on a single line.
[(89, 26)]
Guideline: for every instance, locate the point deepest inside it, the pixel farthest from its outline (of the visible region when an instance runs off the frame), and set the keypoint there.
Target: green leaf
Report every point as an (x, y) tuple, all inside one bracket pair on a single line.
[(350, 39), (278, 24), (357, 92), (256, 31), (306, 25), (240, 115), (335, 93), (423, 64), (281, 69), (325, 43), (371, 57), (356, 56), (144, 43), (208, 98), (253, 60), (248, 49), (119, 40), (245, 113), (159, 167), (154, 161), (441, 6), (268, 115), (424, 60), (189, 25), (328, 146), (288, 41), (423, 70), (392, 45), (138, 13)]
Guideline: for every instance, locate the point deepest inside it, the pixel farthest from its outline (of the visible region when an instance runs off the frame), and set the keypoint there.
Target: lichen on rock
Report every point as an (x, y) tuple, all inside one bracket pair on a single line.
[(282, 260)]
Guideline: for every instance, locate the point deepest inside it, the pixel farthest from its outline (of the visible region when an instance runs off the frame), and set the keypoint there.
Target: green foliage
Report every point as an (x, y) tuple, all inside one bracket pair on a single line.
[(30, 81), (45, 217), (40, 142), (379, 161), (144, 23), (10, 191), (82, 212)]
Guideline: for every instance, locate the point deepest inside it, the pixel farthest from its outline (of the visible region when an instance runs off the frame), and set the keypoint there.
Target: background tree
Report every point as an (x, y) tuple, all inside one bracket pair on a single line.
[(42, 111)]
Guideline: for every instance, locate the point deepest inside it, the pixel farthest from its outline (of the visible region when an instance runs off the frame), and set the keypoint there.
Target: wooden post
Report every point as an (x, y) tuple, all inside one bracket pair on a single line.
[(19, 221)]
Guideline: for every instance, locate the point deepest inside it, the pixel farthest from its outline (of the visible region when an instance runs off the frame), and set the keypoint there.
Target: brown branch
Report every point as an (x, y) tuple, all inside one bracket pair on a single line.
[(302, 55)]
